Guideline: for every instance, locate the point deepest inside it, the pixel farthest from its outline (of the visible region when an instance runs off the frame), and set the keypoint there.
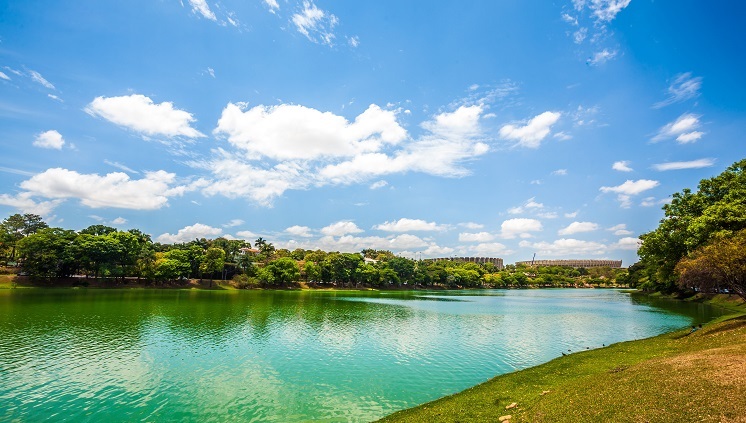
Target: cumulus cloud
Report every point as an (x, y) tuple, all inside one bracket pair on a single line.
[(314, 148), (49, 139), (297, 132), (627, 243), (471, 225), (138, 113), (693, 164), (489, 249), (566, 247), (622, 166), (530, 204), (378, 184), (301, 231), (682, 88), (475, 237), (578, 227), (190, 233), (26, 204), (119, 221), (233, 223), (341, 228), (630, 188), (315, 24), (111, 190), (407, 225), (683, 129), (533, 132), (620, 229), (521, 227)]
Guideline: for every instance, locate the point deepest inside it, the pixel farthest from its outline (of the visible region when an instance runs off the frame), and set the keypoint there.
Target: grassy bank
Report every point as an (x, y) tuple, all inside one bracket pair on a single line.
[(675, 377)]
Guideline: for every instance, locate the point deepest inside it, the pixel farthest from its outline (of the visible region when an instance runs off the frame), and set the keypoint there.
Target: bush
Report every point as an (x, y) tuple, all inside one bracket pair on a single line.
[(246, 282)]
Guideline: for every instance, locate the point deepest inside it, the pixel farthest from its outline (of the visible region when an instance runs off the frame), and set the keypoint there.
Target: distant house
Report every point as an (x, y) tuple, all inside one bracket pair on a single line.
[(369, 260), (248, 251)]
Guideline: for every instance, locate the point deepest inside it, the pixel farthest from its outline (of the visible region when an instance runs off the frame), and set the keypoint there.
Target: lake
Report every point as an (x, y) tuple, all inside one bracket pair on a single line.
[(287, 356)]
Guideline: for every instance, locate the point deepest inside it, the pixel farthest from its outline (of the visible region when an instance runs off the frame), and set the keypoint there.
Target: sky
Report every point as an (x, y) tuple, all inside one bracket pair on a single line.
[(432, 129)]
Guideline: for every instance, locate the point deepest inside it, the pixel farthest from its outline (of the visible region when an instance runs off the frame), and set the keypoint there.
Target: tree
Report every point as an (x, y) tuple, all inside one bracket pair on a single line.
[(17, 227), (692, 220), (46, 253), (716, 266), (284, 270), (98, 230), (213, 261)]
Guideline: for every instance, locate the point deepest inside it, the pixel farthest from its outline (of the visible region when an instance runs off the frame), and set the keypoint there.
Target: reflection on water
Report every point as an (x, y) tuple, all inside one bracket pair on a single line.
[(126, 355)]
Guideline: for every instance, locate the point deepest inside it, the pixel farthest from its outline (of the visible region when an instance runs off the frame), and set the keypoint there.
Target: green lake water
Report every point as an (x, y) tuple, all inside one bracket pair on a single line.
[(202, 356)]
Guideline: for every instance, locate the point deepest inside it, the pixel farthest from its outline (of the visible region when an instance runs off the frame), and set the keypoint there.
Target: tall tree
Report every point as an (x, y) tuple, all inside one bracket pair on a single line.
[(17, 227)]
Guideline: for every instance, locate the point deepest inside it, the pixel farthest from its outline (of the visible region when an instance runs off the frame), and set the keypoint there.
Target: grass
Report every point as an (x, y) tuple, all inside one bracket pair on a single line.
[(675, 377)]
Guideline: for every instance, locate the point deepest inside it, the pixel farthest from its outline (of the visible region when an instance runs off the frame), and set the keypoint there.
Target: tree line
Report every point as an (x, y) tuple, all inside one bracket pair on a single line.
[(700, 244), (105, 253)]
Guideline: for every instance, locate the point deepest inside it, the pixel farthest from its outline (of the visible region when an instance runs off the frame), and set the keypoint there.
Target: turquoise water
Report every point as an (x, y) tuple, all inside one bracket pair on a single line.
[(170, 355)]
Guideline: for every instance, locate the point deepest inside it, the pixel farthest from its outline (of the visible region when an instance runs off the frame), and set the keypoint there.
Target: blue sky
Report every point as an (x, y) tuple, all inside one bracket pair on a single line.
[(432, 129)]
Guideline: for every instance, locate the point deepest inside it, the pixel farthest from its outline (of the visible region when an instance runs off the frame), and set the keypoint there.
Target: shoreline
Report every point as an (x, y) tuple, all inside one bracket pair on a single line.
[(568, 388)]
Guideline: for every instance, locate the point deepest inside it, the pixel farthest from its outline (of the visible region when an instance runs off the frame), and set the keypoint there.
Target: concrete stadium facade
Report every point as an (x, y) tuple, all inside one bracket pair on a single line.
[(572, 263)]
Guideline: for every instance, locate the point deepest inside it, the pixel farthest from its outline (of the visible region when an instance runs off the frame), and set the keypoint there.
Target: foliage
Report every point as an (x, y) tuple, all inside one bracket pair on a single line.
[(716, 266), (692, 220)]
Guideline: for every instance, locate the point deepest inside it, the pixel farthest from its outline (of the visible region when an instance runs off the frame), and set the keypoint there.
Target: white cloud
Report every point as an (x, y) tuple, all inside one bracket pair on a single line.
[(190, 233), (54, 97), (547, 215), (579, 35), (622, 166), (606, 10), (406, 225), (683, 87), (471, 225), (49, 139), (315, 149), (571, 215), (601, 57), (354, 42), (273, 5), (4, 76), (26, 204), (683, 128), (475, 237), (405, 241), (627, 243), (201, 7), (233, 223), (341, 228), (566, 247), (531, 203), (572, 20), (36, 77), (693, 164), (111, 190), (296, 132), (519, 227), (531, 134), (316, 24), (119, 221), (378, 184), (302, 231), (211, 72), (578, 227), (560, 172), (247, 235), (562, 136), (630, 188), (489, 249), (120, 166), (620, 229), (138, 113)]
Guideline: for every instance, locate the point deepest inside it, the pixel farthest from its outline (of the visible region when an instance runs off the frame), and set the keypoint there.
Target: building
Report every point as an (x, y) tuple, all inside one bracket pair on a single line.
[(572, 263)]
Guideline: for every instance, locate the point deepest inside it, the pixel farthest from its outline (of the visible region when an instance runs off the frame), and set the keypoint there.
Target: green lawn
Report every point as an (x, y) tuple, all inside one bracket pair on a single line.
[(676, 377)]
